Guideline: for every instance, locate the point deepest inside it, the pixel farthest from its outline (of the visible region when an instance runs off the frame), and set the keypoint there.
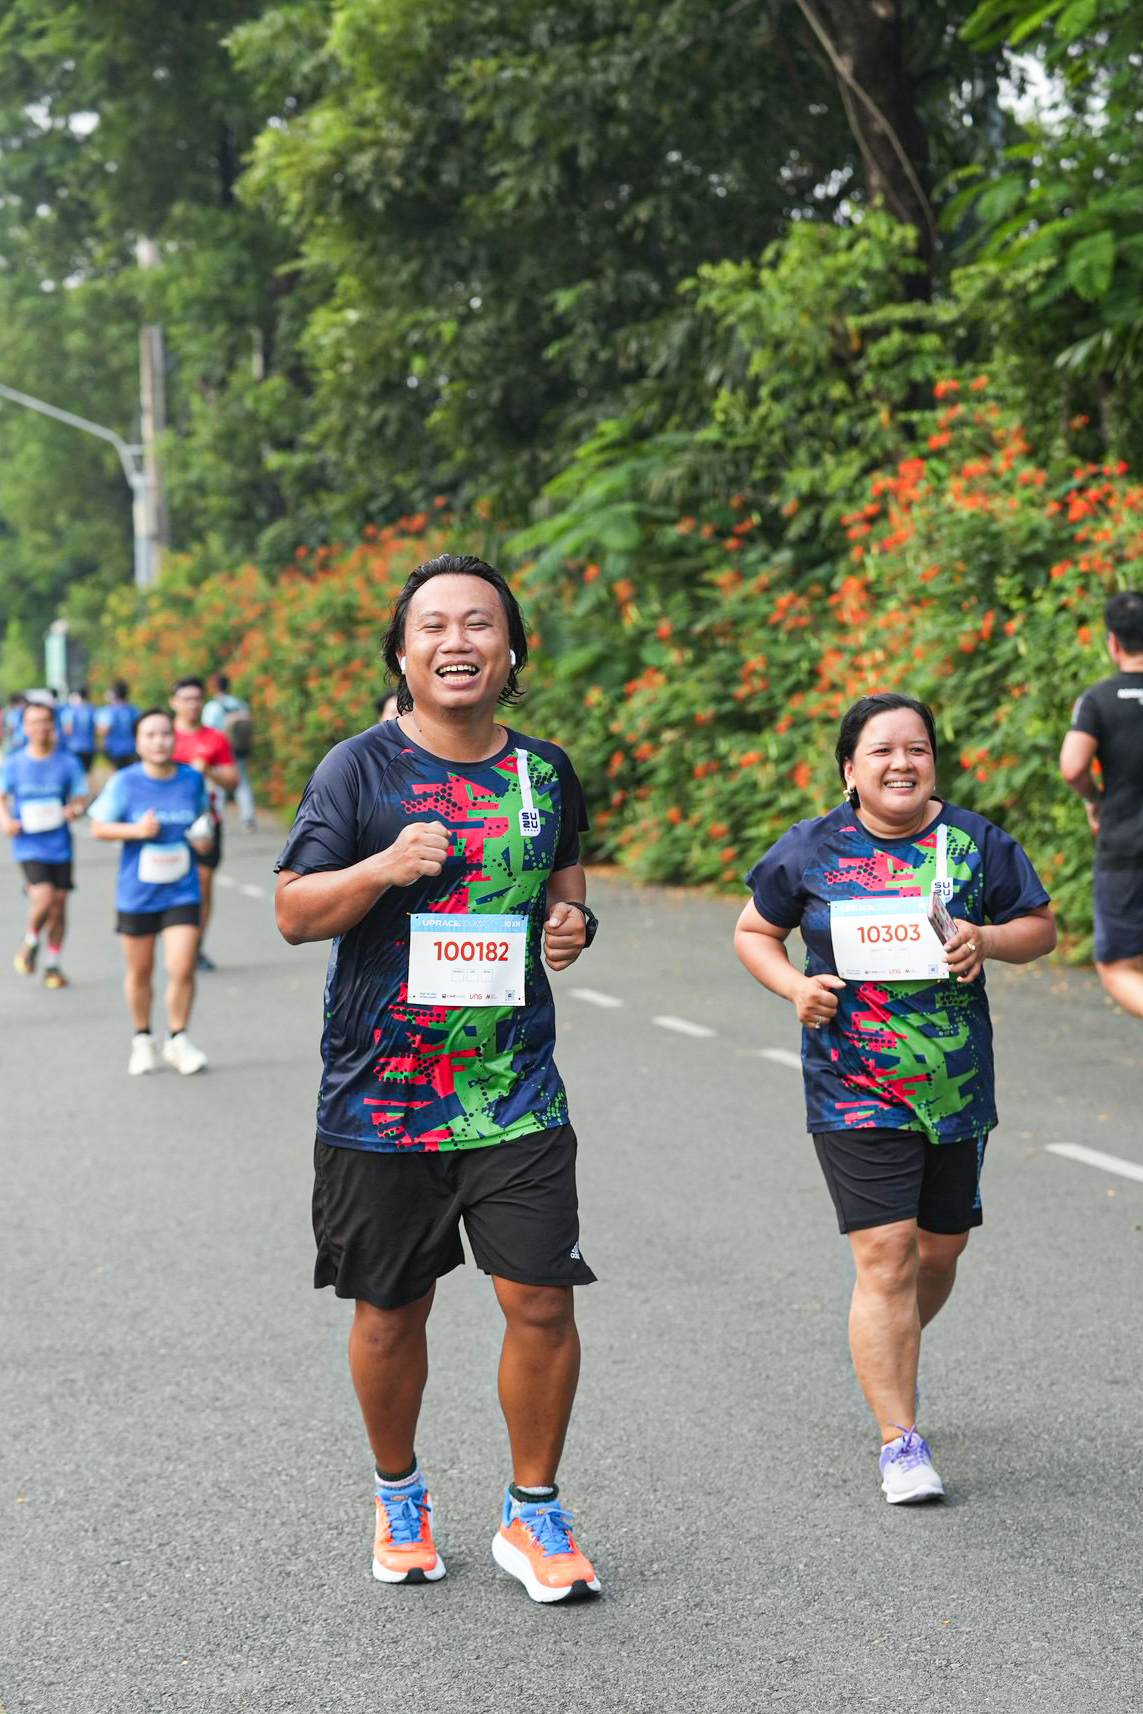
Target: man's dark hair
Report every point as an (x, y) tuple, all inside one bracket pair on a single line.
[(855, 720), (221, 683), (146, 715), (84, 691), (119, 689), (454, 565), (1123, 617), (190, 682)]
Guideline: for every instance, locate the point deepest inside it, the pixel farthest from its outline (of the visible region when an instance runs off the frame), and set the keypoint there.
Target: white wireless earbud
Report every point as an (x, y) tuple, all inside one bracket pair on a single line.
[(511, 657), (401, 659)]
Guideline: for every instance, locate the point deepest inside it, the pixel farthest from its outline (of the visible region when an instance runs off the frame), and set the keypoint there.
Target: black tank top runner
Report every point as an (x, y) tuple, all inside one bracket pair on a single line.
[(1111, 712)]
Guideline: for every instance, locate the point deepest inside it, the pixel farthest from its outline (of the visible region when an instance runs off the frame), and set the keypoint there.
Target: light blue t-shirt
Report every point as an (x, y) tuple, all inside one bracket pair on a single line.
[(177, 802), (39, 790), (116, 726), (78, 722)]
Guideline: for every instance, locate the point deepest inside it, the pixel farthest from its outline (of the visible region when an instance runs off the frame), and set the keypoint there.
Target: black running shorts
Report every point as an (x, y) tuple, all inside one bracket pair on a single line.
[(878, 1176), (56, 875), (212, 858), (1117, 905), (138, 923), (388, 1225)]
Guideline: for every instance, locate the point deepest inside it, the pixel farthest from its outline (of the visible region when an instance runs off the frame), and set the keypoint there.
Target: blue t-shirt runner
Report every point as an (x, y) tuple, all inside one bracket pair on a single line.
[(400, 1076), (77, 721), (901, 1055), (40, 789), (116, 726), (160, 873)]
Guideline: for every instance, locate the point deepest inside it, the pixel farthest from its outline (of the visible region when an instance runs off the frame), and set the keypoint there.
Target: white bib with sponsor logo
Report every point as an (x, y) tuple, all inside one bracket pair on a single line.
[(161, 864), (41, 814), (466, 960)]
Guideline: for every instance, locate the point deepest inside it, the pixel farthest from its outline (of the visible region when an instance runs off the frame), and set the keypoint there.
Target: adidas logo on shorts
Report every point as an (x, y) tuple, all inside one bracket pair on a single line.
[(575, 1255)]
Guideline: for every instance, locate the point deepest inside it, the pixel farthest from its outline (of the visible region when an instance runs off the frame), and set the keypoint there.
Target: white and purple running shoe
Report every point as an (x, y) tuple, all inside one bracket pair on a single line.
[(907, 1473)]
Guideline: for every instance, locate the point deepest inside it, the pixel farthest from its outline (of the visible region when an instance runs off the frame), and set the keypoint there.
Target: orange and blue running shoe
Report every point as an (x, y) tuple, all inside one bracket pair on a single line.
[(534, 1544), (403, 1550)]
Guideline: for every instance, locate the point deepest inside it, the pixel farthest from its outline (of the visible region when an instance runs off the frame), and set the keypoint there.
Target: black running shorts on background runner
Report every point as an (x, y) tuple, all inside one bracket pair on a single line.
[(878, 1176), (1117, 901), (388, 1225), (212, 858), (52, 874), (138, 923)]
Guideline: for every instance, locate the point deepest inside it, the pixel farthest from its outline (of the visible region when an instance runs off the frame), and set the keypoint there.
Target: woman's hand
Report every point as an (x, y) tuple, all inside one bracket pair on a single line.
[(815, 1000), (148, 825), (966, 951)]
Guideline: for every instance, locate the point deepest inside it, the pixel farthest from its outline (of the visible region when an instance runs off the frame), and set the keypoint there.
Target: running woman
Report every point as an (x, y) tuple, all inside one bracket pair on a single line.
[(158, 808), (41, 792), (440, 852), (900, 899)]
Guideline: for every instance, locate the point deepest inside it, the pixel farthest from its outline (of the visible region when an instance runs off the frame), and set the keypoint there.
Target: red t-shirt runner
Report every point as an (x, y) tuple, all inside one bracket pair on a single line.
[(204, 744)]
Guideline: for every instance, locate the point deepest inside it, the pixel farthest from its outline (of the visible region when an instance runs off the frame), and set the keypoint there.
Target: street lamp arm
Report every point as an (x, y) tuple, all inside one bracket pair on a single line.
[(127, 454)]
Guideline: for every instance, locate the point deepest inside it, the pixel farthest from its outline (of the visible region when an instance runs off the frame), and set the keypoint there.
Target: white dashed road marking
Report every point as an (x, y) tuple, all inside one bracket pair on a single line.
[(225, 881), (1093, 1157), (683, 1027), (594, 997), (251, 891), (782, 1056)]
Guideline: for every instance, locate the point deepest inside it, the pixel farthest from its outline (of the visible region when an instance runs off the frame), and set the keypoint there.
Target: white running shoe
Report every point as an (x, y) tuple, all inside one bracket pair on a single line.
[(907, 1473), (181, 1052), (143, 1056)]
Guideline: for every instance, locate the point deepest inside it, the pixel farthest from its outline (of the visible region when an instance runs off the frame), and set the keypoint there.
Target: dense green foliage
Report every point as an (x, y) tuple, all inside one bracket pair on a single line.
[(641, 299)]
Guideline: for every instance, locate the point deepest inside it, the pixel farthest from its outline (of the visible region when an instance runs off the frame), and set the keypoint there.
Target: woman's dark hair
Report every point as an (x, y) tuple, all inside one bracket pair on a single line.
[(146, 715), (454, 565), (855, 720)]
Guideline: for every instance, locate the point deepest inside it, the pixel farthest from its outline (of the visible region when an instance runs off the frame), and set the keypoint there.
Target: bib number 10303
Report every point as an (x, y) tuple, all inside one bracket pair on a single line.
[(885, 940), (466, 960)]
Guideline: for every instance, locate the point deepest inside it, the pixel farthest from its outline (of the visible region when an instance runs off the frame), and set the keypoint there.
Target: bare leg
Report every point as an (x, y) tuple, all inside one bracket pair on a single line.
[(139, 963), (180, 948), (55, 921), (539, 1369), (39, 905), (389, 1362), (884, 1322), (206, 888), (936, 1274), (1123, 980)]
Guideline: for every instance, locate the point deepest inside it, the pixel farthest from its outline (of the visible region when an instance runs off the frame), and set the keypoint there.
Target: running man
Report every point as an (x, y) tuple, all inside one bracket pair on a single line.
[(209, 753), (115, 724), (440, 852), (1107, 726), (41, 792), (228, 714), (156, 807), (77, 727)]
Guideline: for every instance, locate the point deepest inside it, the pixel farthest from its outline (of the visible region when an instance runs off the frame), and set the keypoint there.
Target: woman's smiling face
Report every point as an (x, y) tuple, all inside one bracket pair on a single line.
[(894, 769)]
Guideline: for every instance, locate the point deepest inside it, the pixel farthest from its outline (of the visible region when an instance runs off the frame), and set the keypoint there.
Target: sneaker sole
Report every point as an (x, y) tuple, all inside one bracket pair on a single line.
[(141, 1070), (184, 1071), (915, 1495), (417, 1575), (515, 1563)]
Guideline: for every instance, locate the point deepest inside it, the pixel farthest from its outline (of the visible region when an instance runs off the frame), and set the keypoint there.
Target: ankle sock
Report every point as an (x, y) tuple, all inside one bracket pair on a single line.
[(31, 939), (53, 955), (408, 1479), (533, 1496)]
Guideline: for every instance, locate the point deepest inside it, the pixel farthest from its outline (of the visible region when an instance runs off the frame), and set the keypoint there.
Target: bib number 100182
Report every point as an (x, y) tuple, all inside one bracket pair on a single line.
[(466, 960)]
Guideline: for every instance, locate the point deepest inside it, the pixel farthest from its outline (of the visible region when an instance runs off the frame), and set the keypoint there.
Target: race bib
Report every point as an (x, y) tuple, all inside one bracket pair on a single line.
[(885, 940), (468, 960), (161, 864), (41, 814)]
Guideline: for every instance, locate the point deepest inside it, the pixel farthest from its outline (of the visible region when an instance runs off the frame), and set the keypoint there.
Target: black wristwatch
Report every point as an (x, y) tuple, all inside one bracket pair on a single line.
[(590, 920)]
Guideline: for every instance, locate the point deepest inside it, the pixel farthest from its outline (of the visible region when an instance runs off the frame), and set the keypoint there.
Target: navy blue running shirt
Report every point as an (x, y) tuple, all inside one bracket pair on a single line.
[(400, 1076), (898, 1055)]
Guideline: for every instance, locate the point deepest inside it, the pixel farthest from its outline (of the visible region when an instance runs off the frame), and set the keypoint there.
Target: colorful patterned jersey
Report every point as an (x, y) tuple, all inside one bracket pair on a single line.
[(901, 1055), (401, 1076)]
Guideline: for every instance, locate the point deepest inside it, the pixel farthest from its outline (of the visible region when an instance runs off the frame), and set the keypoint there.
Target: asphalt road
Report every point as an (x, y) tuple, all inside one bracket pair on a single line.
[(185, 1495)]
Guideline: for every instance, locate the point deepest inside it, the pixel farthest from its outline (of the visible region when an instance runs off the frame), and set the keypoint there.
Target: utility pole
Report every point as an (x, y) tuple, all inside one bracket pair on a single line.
[(153, 423), (130, 457)]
